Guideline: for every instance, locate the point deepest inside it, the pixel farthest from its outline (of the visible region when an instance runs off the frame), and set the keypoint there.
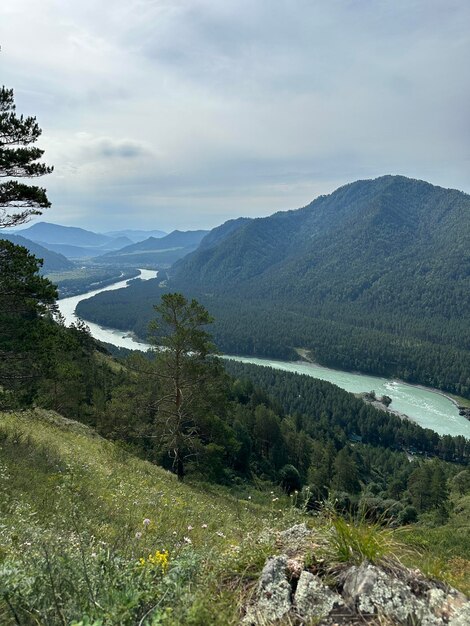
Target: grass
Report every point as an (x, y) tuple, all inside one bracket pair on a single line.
[(351, 541), (73, 533), (465, 402)]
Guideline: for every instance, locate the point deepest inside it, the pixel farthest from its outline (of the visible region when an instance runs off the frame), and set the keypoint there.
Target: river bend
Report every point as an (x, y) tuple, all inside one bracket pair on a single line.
[(427, 407)]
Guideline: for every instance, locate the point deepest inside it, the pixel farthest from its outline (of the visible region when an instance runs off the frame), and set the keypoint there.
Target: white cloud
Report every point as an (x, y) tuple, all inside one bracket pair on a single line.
[(193, 111)]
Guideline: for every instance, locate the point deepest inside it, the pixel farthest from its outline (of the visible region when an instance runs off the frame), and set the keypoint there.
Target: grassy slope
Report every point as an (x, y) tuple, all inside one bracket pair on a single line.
[(71, 504), (64, 487)]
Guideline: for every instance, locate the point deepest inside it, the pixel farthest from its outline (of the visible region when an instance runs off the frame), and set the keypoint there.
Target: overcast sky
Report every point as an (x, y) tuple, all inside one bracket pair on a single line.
[(184, 113)]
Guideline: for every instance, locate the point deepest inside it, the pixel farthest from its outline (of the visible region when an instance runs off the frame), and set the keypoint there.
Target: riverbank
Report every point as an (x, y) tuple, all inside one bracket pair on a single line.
[(458, 401)]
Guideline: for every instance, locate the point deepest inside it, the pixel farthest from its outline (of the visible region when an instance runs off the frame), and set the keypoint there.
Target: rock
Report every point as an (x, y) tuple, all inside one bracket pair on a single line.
[(313, 599), (273, 597), (370, 590), (294, 568), (295, 539), (288, 593), (461, 616)]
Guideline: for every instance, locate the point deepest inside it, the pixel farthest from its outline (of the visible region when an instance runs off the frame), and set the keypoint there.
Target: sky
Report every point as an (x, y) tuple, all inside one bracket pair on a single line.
[(165, 114)]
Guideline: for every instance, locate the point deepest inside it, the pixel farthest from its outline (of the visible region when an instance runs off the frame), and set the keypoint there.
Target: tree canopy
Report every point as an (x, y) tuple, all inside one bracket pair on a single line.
[(19, 159)]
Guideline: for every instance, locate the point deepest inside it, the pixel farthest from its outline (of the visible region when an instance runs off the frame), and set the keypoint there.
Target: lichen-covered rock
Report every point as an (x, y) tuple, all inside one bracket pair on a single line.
[(273, 597), (372, 591), (461, 616), (313, 599), (288, 593), (295, 539)]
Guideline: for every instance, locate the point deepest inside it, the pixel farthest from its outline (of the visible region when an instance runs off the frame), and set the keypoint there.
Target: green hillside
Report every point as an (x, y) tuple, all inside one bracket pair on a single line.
[(74, 547), (151, 489), (81, 510)]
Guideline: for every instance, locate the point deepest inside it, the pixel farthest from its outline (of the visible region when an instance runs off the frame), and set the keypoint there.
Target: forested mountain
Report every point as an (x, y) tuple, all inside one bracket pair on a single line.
[(161, 252), (53, 262), (350, 246), (374, 277)]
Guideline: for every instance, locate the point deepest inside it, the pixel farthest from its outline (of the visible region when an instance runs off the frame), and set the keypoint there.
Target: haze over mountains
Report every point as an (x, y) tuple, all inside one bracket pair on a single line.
[(374, 277), (128, 248), (78, 243)]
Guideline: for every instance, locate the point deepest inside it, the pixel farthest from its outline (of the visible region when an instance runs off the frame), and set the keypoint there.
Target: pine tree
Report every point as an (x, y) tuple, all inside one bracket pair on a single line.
[(19, 159), (25, 298), (188, 377)]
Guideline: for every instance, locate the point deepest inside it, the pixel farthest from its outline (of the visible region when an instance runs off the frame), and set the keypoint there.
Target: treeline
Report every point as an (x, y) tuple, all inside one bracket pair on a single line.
[(328, 412)]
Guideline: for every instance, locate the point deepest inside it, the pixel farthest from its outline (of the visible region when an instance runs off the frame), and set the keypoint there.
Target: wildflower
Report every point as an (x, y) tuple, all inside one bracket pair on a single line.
[(174, 532), (203, 525), (146, 521), (249, 497), (158, 560), (93, 554), (190, 527), (220, 534), (138, 535), (187, 540)]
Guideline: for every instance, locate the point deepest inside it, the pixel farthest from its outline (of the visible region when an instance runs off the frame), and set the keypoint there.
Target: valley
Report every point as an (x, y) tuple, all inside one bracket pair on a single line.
[(427, 407)]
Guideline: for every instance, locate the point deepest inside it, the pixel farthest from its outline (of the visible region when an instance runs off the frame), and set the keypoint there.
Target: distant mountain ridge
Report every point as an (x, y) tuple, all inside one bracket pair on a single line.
[(46, 232), (79, 243), (136, 235), (161, 252)]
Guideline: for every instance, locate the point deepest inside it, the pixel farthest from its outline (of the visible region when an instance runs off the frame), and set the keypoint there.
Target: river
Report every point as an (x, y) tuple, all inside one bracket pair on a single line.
[(427, 407)]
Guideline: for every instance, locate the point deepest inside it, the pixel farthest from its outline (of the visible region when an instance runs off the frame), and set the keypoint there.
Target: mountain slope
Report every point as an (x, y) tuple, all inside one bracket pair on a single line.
[(53, 262), (345, 246)]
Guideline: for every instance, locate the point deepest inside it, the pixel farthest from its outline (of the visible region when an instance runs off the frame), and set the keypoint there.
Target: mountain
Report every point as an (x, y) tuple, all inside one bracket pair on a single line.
[(346, 247), (374, 277), (53, 262), (161, 252), (45, 232), (136, 235)]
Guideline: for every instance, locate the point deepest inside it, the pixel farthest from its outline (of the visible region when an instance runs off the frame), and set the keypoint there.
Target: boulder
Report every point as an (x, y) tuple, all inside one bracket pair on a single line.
[(273, 596), (313, 599)]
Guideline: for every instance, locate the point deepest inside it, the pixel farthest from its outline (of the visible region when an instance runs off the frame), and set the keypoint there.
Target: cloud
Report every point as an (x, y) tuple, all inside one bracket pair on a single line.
[(188, 112)]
